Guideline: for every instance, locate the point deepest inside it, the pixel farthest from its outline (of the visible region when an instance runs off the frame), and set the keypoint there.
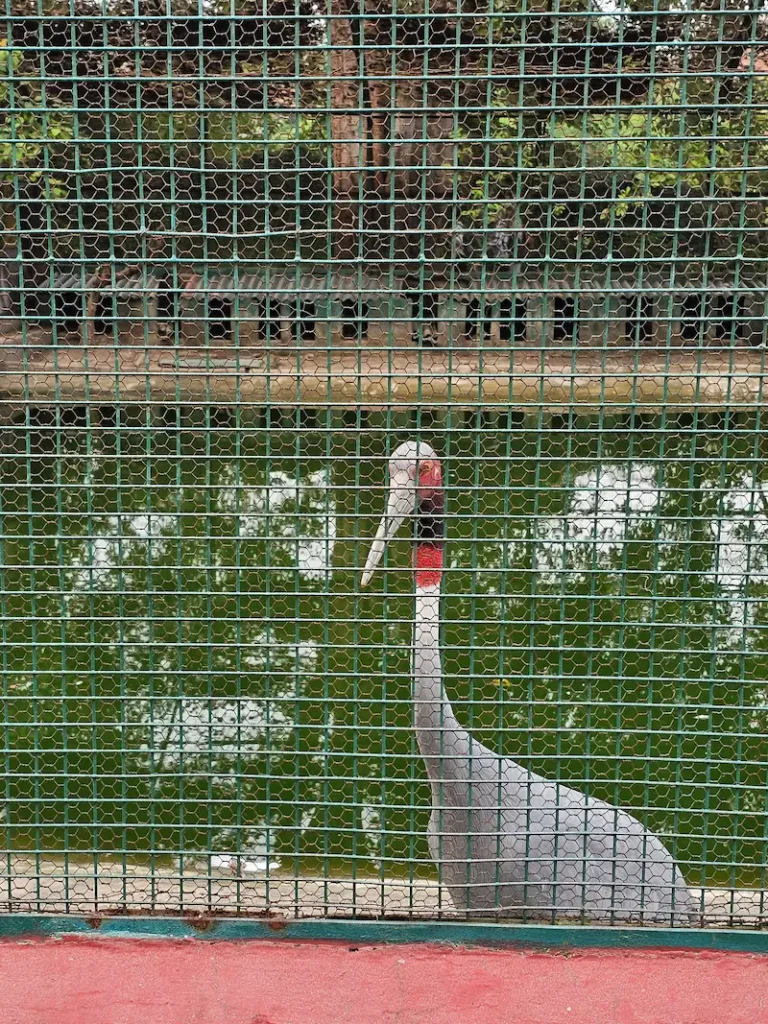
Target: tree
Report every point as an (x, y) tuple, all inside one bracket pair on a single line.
[(27, 128)]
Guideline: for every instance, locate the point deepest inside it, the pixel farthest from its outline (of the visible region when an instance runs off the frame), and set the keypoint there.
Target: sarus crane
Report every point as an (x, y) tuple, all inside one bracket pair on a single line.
[(506, 841)]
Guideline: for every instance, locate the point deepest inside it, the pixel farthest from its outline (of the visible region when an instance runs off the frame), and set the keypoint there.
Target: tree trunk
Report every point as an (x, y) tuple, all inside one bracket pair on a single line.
[(347, 128), (391, 141), (9, 278), (423, 155), (380, 97), (378, 94)]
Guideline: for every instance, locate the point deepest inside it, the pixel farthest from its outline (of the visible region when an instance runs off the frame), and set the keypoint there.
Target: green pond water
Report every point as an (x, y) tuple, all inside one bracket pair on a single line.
[(189, 665)]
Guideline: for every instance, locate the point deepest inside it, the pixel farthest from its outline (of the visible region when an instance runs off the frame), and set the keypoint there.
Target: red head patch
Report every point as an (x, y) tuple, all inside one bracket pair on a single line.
[(430, 476)]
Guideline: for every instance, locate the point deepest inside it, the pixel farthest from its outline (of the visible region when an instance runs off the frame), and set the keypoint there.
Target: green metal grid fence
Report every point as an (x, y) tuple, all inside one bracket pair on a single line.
[(248, 249)]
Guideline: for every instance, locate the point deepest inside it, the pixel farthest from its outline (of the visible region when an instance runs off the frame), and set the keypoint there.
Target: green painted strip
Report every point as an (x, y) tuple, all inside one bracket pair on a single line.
[(559, 937)]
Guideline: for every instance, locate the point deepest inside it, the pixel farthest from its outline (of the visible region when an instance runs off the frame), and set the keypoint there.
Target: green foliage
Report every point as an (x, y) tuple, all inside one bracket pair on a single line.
[(28, 124), (678, 141), (240, 135)]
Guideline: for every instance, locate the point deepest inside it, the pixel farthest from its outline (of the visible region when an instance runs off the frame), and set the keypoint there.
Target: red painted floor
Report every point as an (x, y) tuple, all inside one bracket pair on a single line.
[(127, 981)]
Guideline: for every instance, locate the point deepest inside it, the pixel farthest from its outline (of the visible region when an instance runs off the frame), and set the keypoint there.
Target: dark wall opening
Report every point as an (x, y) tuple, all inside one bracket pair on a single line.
[(167, 307), (639, 323), (103, 314), (166, 300), (424, 314), (303, 318), (512, 319), (268, 323), (690, 318), (475, 312), (566, 325), (308, 320), (354, 319), (728, 317), (219, 318), (68, 311)]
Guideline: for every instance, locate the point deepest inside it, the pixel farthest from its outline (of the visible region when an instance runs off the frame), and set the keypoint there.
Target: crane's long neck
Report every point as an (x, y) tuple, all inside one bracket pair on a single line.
[(441, 739)]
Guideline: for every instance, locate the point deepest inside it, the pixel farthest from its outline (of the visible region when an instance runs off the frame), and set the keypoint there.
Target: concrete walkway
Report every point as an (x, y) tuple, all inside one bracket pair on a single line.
[(373, 378), (50, 885)]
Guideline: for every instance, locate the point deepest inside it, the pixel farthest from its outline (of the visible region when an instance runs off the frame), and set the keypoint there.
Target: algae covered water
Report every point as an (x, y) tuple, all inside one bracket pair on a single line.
[(190, 666)]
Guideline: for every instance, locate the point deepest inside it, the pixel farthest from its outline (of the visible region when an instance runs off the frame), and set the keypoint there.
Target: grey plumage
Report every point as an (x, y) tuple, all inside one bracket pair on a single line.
[(506, 841)]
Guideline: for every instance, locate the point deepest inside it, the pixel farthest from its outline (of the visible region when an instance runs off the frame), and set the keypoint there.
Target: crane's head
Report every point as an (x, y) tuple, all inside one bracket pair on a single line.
[(415, 485)]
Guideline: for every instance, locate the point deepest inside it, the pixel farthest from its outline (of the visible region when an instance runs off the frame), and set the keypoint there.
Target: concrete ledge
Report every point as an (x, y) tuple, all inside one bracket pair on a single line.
[(379, 379), (49, 885)]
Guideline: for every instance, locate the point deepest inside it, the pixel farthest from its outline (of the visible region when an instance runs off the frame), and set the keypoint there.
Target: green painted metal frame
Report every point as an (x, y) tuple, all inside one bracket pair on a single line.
[(544, 936), (411, 181)]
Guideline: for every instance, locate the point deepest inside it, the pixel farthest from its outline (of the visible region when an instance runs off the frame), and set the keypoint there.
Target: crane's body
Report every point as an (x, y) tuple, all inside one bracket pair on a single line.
[(507, 841)]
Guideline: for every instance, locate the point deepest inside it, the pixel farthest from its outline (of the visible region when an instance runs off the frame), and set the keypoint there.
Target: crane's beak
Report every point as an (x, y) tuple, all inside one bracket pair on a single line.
[(400, 504)]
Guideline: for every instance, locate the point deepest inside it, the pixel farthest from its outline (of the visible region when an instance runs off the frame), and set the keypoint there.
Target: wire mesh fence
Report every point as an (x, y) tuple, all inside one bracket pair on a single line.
[(248, 252)]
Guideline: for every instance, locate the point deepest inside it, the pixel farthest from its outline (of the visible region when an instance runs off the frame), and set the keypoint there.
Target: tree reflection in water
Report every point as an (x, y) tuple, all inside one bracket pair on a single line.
[(189, 666)]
